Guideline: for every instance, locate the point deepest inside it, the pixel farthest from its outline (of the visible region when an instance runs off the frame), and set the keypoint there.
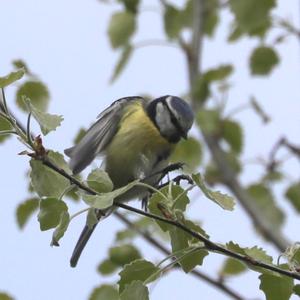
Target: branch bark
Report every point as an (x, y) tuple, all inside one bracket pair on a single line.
[(193, 57), (209, 245), (200, 275)]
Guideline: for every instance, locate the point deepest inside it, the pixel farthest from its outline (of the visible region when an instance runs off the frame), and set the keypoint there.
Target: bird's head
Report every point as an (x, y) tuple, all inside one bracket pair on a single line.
[(172, 116)]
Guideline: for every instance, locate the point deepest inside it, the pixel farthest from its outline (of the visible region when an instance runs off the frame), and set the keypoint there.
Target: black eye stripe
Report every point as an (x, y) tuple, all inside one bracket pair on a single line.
[(174, 120)]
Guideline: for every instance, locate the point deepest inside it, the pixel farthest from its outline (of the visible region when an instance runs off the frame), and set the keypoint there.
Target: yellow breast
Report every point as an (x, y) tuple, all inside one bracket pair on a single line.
[(135, 148)]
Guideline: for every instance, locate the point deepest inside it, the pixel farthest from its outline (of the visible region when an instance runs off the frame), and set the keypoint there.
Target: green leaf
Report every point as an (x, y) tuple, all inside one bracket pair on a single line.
[(263, 198), (180, 198), (123, 61), (11, 78), (211, 18), (201, 86), (212, 172), (187, 14), (209, 121), (232, 267), (4, 125), (131, 5), (80, 134), (61, 228), (59, 160), (125, 235), (211, 22), (136, 290), (20, 64), (25, 210), (188, 152), (253, 16), (107, 267), (180, 241), (128, 234), (137, 270), (91, 218), (189, 262), (275, 287), (46, 121), (296, 290), (233, 135), (223, 200), (155, 204), (105, 292), (98, 201), (201, 89), (258, 254), (106, 200), (4, 296), (47, 182), (122, 25), (218, 74), (235, 247), (51, 210), (37, 92), (293, 195), (99, 181), (173, 21), (73, 194), (292, 254), (272, 176), (122, 255), (255, 253), (235, 33), (195, 227), (263, 60)]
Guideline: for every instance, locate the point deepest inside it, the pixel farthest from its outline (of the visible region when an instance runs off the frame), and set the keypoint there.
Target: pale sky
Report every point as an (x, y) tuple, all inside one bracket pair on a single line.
[(65, 43)]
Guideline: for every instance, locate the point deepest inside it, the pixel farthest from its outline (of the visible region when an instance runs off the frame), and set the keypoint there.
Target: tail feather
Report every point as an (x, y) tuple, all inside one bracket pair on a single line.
[(81, 243)]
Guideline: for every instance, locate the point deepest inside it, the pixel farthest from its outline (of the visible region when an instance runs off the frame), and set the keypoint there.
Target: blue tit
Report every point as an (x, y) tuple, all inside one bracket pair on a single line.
[(135, 138)]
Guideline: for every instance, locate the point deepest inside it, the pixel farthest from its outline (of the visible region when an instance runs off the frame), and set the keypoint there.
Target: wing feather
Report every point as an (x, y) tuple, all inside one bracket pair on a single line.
[(98, 135)]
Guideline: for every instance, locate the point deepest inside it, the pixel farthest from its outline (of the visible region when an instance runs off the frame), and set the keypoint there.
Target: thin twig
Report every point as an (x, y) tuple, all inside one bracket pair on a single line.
[(155, 42), (211, 246), (216, 283), (229, 178)]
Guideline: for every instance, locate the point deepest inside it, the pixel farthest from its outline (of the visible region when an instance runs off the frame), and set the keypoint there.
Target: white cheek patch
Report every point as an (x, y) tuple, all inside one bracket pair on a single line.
[(174, 111), (163, 120)]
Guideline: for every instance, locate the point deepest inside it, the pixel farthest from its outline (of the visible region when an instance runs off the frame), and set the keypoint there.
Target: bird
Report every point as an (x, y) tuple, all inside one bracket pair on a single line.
[(135, 137)]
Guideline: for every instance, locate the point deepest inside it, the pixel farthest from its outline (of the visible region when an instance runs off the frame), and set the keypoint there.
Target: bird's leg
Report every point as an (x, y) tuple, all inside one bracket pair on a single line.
[(177, 181), (163, 173), (167, 170)]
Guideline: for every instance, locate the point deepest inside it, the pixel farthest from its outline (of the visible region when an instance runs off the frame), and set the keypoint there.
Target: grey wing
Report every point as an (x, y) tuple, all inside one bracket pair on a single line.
[(98, 135)]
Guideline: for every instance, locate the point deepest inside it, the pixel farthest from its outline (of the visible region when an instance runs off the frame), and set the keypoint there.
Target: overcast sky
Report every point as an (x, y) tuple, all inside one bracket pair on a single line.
[(65, 43)]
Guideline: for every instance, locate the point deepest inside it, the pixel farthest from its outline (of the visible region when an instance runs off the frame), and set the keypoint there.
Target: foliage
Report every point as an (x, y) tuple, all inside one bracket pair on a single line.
[(52, 182)]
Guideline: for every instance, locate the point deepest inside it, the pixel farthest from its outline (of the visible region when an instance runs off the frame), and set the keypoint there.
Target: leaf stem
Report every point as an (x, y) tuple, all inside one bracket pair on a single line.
[(4, 101), (184, 253), (158, 245), (211, 246), (79, 213), (150, 187), (4, 132)]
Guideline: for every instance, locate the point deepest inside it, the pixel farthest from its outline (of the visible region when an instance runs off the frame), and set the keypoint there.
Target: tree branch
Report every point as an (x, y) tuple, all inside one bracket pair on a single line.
[(211, 246), (228, 176), (229, 179), (147, 237), (217, 284)]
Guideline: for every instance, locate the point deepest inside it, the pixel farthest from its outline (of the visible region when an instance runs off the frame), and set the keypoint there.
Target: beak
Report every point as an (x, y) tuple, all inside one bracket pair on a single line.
[(184, 135)]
